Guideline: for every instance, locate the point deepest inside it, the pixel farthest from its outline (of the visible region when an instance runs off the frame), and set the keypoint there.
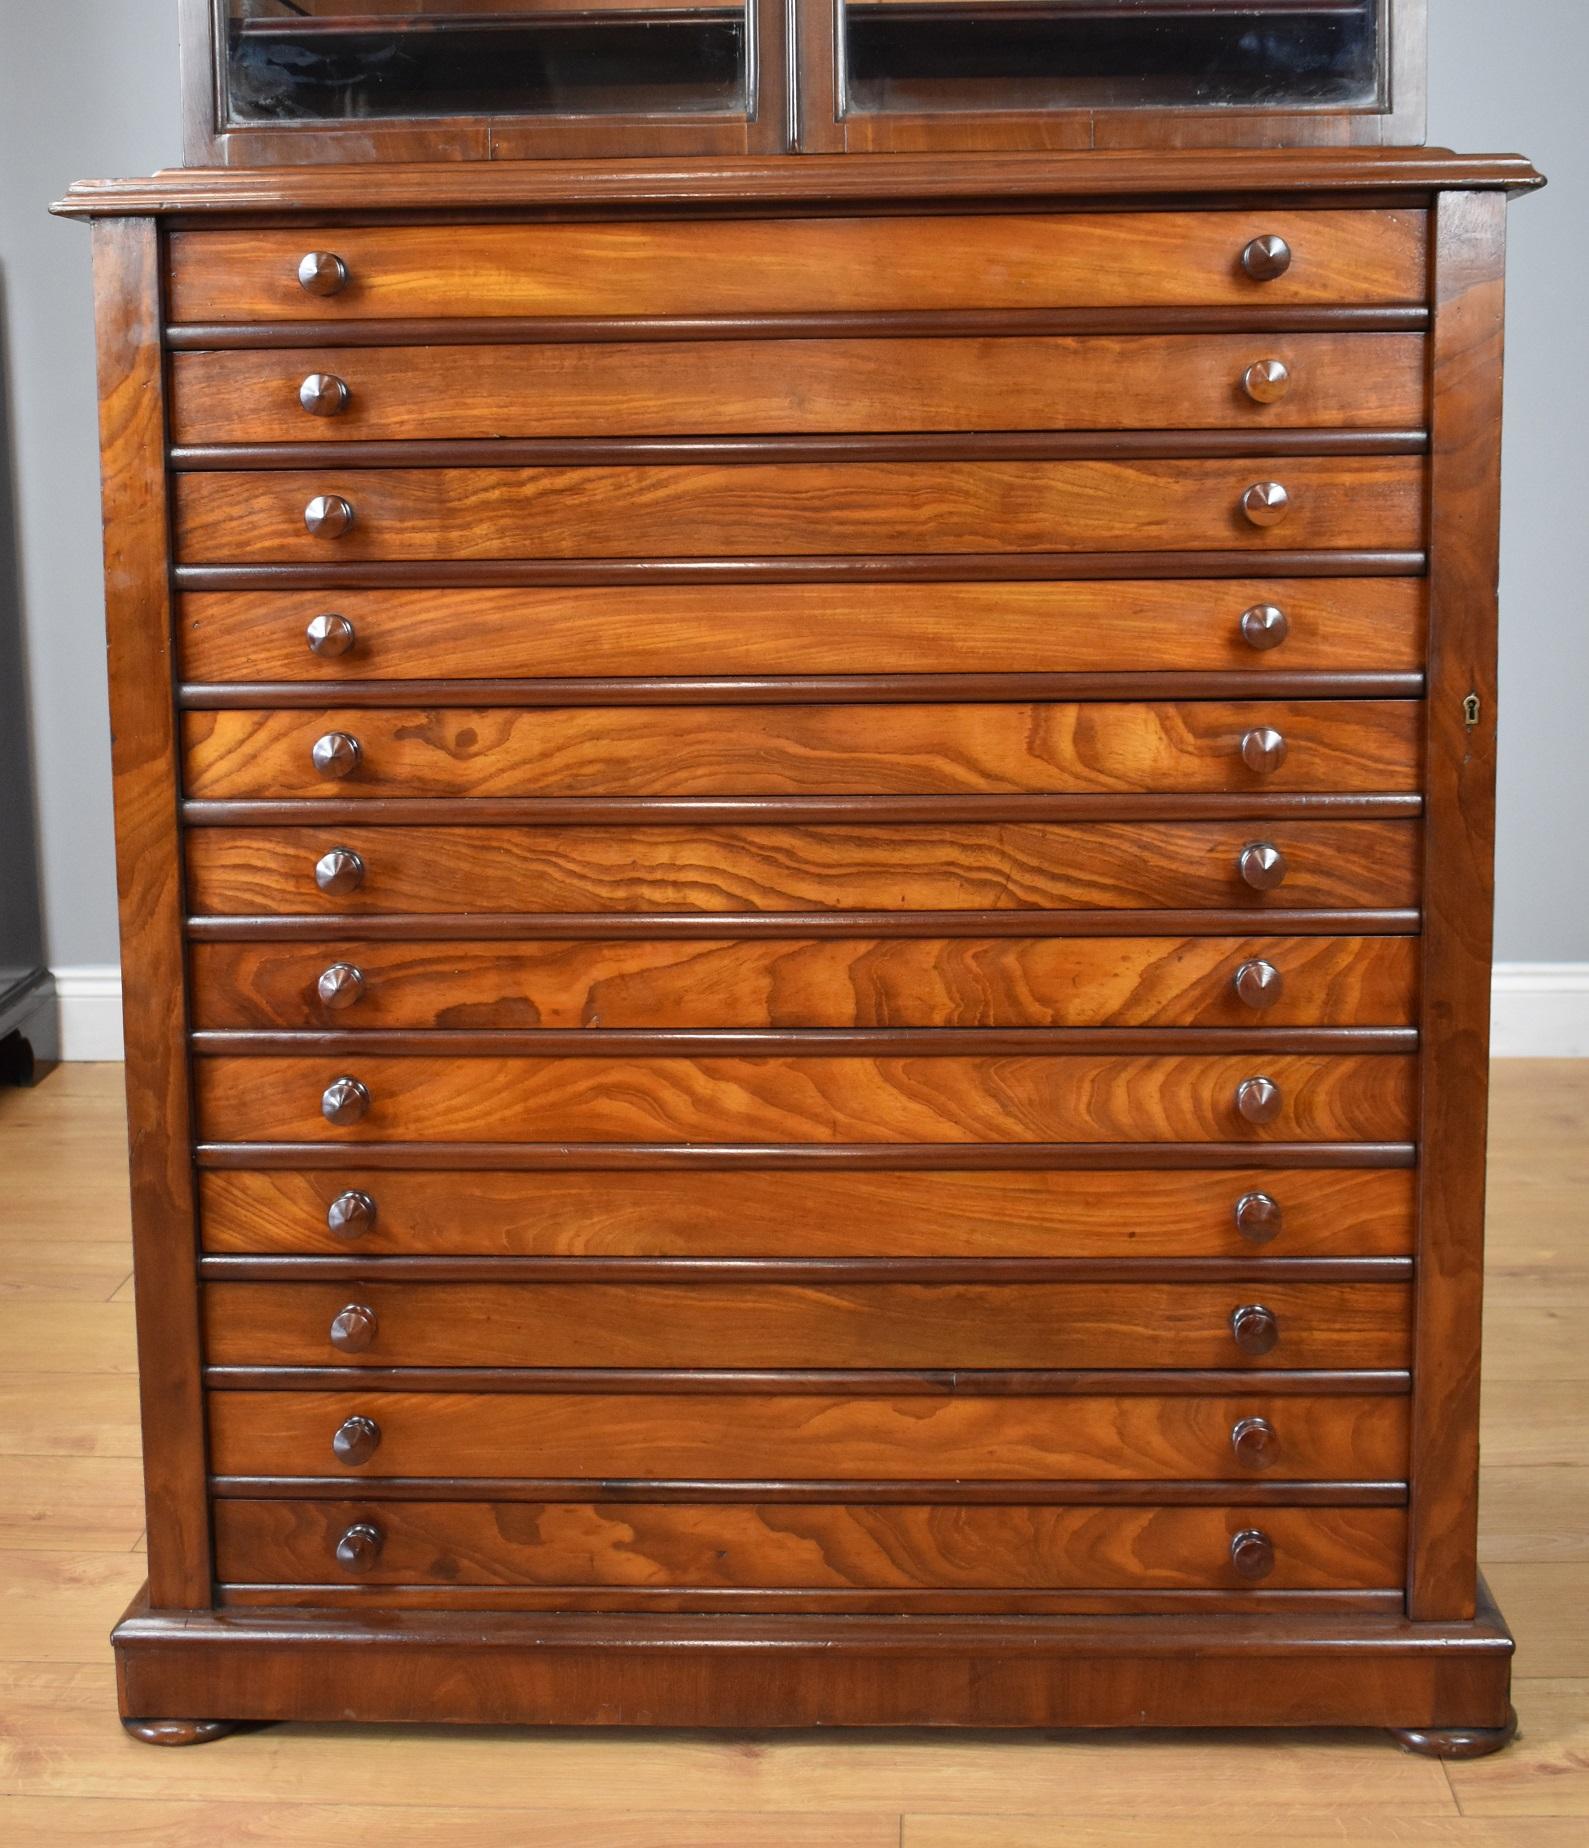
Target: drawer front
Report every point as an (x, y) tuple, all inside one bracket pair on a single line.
[(746, 266), (777, 1437), (866, 867), (735, 510), (1332, 624), (1204, 746), (1138, 1213), (806, 1546), (817, 982), (730, 388), (810, 1099), (829, 1325)]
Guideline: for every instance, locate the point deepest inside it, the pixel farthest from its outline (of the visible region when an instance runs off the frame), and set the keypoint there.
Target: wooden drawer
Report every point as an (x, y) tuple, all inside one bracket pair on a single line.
[(948, 866), (808, 1325), (732, 388), (813, 982), (1043, 1213), (1333, 625), (750, 266), (794, 1546), (809, 1098), (1346, 746), (790, 509), (702, 1436)]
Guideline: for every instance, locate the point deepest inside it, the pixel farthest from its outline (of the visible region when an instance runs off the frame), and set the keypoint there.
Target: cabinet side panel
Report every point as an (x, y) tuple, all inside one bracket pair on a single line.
[(1469, 266), (127, 296)]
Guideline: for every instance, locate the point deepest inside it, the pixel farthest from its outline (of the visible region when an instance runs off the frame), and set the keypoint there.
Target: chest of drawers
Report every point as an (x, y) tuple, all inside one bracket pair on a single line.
[(805, 867)]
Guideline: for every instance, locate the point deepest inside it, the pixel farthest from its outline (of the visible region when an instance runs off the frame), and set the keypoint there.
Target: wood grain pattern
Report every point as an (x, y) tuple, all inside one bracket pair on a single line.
[(733, 510), (1095, 747), (771, 869), (815, 1099), (1147, 1213), (641, 1545), (748, 265), (699, 1437), (704, 387), (903, 982), (1363, 625)]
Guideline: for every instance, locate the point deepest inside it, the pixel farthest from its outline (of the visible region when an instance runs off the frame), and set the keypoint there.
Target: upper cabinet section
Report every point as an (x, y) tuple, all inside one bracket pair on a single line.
[(315, 81)]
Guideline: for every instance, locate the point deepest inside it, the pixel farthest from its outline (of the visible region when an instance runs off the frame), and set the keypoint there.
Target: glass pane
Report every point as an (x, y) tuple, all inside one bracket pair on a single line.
[(913, 56), (345, 60)]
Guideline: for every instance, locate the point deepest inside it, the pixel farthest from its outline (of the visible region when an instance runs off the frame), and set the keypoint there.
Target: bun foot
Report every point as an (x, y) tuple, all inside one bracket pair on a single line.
[(179, 1732), (1456, 1741)]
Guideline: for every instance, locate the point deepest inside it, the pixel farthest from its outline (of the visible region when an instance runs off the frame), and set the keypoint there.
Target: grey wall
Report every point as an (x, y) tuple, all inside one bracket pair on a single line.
[(88, 88)]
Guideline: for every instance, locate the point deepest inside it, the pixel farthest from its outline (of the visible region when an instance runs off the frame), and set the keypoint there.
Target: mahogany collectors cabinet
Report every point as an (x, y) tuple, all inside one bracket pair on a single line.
[(804, 705)]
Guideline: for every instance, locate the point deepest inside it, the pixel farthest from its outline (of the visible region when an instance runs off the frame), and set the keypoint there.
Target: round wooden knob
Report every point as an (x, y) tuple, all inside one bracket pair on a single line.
[(1266, 382), (354, 1328), (1252, 1553), (329, 516), (357, 1439), (1263, 750), (1254, 1442), (341, 870), (331, 636), (1258, 1217), (1258, 1100), (1264, 626), (360, 1547), (1255, 1328), (340, 985), (351, 1214), (1262, 867), (1266, 503), (336, 755), (321, 273), (1266, 258), (1258, 985), (344, 1100), (323, 394)]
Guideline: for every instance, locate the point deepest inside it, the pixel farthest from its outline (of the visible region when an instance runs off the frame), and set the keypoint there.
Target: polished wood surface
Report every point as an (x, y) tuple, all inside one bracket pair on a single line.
[(748, 266), (796, 508), (771, 869), (904, 982), (1341, 745)]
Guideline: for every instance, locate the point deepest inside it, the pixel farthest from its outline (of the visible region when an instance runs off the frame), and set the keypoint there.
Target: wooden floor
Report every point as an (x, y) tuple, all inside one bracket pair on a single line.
[(70, 1541)]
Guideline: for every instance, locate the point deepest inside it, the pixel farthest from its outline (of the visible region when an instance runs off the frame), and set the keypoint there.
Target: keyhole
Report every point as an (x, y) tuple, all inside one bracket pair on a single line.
[(1470, 710)]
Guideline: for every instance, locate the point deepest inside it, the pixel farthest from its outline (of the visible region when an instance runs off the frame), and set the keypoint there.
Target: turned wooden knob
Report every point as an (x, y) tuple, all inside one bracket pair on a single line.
[(1266, 258), (357, 1439), (354, 1328), (329, 516), (1262, 867), (1255, 1328), (335, 755), (330, 636), (338, 871), (1263, 749), (323, 394), (1264, 626), (1258, 1100), (1259, 1217), (344, 1100), (1252, 1553), (1254, 1442), (342, 984), (360, 1547), (1266, 503), (351, 1214), (321, 273), (1266, 382), (1258, 984)]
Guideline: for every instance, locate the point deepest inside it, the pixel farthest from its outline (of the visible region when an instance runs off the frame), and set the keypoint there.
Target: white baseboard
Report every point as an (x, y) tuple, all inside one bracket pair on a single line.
[(1541, 1011)]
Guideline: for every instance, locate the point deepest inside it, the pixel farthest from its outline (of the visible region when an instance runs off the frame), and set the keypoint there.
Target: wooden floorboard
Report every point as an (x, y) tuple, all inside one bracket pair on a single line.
[(70, 1539)]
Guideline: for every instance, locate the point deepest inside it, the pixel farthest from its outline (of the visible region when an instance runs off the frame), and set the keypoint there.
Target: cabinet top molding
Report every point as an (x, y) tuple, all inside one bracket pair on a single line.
[(1138, 175)]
